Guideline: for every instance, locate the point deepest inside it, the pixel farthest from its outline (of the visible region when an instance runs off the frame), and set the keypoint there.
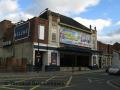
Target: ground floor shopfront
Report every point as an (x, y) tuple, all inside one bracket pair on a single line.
[(105, 61), (48, 58), (52, 58)]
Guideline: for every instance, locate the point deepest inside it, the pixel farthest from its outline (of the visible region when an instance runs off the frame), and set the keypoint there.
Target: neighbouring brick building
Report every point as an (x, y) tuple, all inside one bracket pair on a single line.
[(106, 53), (18, 40), (116, 46), (51, 42)]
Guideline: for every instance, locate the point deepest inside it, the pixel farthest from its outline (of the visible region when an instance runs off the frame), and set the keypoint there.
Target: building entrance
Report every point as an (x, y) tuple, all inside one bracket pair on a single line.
[(38, 60), (74, 60)]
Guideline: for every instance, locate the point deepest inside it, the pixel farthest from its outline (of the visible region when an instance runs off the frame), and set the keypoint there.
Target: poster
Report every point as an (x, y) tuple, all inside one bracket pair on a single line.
[(69, 36), (54, 58), (73, 37)]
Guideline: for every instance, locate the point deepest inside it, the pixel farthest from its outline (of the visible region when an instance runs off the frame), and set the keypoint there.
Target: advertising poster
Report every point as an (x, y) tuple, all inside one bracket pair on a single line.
[(73, 37), (54, 58), (69, 36)]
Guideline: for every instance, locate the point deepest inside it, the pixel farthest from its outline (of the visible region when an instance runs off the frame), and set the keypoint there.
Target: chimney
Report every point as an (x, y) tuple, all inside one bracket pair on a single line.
[(90, 27), (94, 28)]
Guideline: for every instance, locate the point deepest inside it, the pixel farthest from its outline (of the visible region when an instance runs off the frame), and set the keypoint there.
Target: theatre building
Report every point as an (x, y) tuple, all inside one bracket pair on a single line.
[(52, 42), (76, 44)]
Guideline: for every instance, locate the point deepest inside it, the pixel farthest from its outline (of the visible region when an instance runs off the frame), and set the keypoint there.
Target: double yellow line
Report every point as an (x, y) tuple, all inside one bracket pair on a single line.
[(33, 88), (4, 86)]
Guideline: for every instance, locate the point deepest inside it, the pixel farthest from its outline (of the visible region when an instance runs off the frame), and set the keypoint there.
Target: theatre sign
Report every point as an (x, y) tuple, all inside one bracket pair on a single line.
[(73, 37), (21, 31)]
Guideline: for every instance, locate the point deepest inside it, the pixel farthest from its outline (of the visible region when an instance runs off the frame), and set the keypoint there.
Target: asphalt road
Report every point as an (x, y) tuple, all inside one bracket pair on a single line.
[(93, 81), (88, 81)]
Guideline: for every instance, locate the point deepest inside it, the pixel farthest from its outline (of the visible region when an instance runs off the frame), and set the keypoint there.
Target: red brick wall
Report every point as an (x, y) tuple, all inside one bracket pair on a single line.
[(116, 46), (35, 22), (105, 48)]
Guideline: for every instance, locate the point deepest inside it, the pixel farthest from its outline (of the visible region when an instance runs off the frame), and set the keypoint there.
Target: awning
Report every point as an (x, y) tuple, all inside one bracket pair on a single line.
[(74, 49)]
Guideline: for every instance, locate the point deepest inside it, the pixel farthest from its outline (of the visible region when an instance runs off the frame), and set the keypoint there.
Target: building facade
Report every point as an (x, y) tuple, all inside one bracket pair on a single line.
[(105, 55), (52, 42)]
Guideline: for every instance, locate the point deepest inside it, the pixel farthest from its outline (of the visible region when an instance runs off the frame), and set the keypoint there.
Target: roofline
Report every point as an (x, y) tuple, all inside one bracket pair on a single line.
[(63, 24)]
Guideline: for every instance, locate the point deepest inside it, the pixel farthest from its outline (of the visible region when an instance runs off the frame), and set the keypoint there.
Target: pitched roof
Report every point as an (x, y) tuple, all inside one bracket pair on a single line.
[(64, 19)]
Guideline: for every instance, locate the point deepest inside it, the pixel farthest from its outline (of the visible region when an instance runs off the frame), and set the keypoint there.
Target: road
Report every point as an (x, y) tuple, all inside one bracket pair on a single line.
[(63, 81), (93, 81)]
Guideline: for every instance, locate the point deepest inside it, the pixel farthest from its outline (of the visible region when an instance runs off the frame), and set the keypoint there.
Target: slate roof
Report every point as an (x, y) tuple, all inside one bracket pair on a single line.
[(64, 19)]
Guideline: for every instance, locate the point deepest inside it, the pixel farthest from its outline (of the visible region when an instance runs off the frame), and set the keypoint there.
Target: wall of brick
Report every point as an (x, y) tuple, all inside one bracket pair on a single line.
[(34, 26)]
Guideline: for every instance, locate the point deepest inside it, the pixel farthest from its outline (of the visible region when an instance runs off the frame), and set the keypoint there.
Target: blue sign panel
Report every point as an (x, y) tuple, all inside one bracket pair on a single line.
[(21, 31)]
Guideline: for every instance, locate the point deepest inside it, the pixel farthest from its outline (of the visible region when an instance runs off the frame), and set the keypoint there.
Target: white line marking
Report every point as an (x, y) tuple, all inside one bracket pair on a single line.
[(50, 78), (90, 81), (69, 81), (109, 83)]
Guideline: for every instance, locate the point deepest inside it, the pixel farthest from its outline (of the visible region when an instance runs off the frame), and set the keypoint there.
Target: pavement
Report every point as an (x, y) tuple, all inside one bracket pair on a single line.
[(50, 73)]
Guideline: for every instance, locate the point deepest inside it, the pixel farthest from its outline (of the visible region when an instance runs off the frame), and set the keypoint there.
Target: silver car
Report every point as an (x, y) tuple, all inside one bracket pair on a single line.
[(115, 69)]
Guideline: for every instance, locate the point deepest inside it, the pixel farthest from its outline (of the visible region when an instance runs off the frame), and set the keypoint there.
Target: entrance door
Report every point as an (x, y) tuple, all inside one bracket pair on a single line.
[(38, 60), (100, 62)]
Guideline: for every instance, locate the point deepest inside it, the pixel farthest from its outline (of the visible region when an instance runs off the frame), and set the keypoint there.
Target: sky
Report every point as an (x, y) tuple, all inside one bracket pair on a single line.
[(102, 14)]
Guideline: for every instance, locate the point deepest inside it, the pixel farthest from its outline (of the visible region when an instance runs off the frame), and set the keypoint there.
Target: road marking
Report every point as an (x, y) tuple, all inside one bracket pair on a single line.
[(11, 88), (90, 81), (5, 86), (69, 81), (34, 87), (99, 80), (50, 78), (109, 83), (61, 88)]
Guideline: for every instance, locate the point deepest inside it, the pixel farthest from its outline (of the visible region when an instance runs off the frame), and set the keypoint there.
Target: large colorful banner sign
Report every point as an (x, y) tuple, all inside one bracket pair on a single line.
[(73, 37), (21, 31)]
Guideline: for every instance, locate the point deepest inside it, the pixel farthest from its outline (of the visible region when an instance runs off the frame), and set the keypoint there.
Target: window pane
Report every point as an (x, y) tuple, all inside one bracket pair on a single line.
[(54, 37)]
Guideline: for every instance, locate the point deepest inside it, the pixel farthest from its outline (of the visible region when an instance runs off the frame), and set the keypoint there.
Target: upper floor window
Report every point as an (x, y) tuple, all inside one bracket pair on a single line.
[(54, 37), (41, 32)]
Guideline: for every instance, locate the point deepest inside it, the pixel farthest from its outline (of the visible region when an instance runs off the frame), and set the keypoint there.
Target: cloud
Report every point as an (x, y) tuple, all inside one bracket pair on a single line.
[(98, 23), (63, 7), (8, 6), (15, 17), (114, 32), (10, 9), (109, 39), (118, 23), (112, 37)]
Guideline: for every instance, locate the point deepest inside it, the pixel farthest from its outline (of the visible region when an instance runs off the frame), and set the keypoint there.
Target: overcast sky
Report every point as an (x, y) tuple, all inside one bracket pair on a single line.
[(104, 14)]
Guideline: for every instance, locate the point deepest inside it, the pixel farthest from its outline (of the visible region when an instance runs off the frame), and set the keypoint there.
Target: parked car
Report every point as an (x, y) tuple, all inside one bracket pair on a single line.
[(115, 69)]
